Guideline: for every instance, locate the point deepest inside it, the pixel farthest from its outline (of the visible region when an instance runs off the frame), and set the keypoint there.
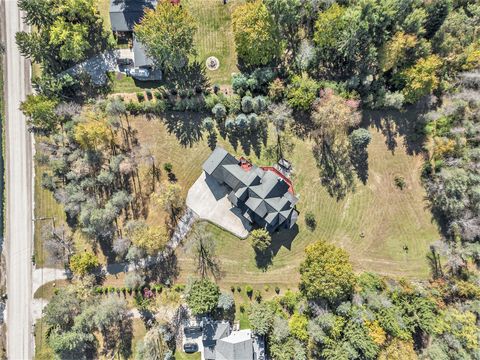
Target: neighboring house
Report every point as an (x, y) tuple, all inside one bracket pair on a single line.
[(264, 195), (220, 343), (124, 15), (212, 332), (240, 345)]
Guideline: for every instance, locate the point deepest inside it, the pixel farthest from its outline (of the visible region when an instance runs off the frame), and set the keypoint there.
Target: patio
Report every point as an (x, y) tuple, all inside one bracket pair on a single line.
[(208, 199)]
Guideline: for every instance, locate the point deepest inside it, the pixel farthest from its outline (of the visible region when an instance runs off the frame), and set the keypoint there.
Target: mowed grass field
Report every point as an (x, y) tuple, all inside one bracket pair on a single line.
[(387, 217), (214, 36)]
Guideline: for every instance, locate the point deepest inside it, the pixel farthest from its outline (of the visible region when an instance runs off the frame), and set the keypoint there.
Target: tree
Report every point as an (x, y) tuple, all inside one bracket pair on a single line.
[(83, 263), (281, 116), (58, 242), (155, 344), (422, 78), (170, 199), (92, 133), (298, 327), (114, 321), (398, 350), (203, 248), (302, 92), (256, 35), (167, 33), (260, 239), (287, 15), (62, 309), (40, 112), (72, 345), (66, 32), (202, 296), (226, 302), (333, 116), (326, 273), (134, 280), (152, 239), (261, 318)]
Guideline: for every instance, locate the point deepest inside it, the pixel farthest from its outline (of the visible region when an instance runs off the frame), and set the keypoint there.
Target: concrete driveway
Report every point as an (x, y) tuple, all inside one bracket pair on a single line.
[(208, 199)]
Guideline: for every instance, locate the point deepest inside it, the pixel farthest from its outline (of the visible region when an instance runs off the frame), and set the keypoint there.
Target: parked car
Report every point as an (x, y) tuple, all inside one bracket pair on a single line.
[(139, 73), (125, 61), (191, 330), (190, 348)]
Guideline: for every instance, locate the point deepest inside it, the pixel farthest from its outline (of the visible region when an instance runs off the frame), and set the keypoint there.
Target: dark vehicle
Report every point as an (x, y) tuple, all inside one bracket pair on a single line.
[(192, 330), (125, 62), (190, 348)]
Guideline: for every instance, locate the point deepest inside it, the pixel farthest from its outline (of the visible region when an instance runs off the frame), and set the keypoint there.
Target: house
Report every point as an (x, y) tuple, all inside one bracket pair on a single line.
[(124, 15), (219, 342), (264, 195), (212, 332), (241, 345)]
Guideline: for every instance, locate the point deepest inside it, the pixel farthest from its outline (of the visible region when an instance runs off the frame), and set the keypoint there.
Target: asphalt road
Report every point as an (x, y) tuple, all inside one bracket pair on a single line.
[(19, 234)]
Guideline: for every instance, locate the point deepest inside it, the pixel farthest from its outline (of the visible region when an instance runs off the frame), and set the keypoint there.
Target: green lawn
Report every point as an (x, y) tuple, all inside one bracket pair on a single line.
[(389, 218), (46, 209), (215, 36)]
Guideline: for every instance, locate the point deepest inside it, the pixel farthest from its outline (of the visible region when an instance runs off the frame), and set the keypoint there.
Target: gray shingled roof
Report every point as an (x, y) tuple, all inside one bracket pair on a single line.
[(263, 192), (237, 346), (140, 56), (124, 14)]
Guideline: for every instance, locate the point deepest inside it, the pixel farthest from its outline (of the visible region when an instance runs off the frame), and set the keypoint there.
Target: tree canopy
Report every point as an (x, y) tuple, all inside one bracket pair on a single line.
[(326, 273), (167, 33), (256, 34)]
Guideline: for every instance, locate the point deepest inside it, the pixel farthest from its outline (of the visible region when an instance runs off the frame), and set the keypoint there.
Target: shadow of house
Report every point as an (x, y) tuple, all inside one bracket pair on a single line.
[(279, 239)]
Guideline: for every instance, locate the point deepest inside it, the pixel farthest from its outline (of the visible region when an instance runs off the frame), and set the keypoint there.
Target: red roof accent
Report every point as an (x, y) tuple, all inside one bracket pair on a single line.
[(247, 166), (280, 175)]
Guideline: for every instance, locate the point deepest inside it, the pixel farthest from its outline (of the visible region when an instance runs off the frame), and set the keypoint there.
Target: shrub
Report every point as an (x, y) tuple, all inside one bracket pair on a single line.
[(202, 296), (232, 289), (226, 302), (216, 88), (247, 104), (111, 289), (242, 308), (277, 290), (310, 220), (158, 95), (302, 92), (400, 182), (239, 84), (266, 288), (179, 288), (168, 167), (140, 96), (260, 239), (249, 290), (219, 112), (239, 289), (259, 104), (276, 90), (149, 94), (258, 296)]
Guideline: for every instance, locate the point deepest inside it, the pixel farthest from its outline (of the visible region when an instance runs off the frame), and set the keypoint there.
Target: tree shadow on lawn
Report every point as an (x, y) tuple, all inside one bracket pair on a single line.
[(282, 238), (186, 126), (408, 123)]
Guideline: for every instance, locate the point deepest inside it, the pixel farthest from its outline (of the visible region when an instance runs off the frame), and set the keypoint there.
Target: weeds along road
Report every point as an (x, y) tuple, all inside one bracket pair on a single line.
[(18, 175)]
